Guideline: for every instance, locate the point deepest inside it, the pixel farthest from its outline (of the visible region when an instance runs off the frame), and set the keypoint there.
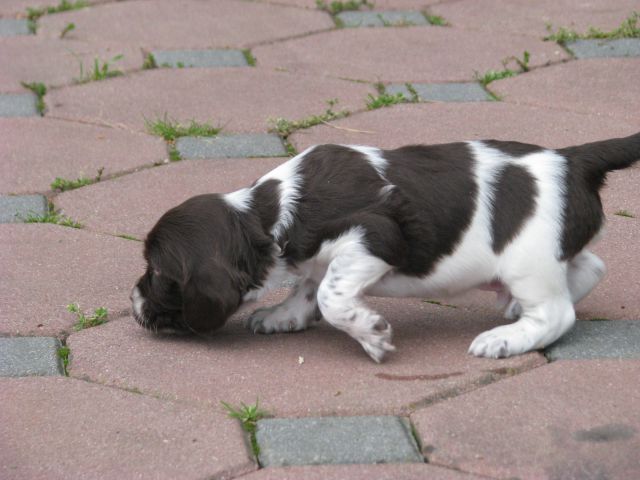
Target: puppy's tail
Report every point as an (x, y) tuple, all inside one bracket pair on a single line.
[(597, 158)]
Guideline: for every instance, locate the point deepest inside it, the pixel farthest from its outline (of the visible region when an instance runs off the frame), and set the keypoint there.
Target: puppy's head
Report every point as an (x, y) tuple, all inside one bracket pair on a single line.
[(193, 282)]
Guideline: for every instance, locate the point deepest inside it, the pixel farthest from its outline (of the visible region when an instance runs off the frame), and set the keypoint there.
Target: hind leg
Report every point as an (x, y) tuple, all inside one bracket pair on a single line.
[(584, 272), (547, 313)]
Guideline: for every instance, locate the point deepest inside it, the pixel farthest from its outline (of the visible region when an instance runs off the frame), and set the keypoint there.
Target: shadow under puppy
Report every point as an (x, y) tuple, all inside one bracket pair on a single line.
[(352, 221)]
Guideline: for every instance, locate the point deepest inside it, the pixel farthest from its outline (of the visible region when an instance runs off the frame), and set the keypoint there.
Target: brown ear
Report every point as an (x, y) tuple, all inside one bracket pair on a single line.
[(209, 297)]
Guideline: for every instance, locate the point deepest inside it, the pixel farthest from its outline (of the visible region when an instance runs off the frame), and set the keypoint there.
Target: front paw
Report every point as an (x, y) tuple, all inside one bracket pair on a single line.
[(377, 342), (270, 320), (500, 342)]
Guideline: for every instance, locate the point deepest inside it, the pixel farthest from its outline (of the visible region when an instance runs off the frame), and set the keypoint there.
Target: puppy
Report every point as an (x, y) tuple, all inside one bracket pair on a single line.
[(352, 221)]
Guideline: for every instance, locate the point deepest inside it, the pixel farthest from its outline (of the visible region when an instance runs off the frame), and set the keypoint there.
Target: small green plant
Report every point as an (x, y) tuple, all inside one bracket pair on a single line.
[(384, 100), (69, 28), (291, 150), (336, 7), (248, 416), (87, 321), (493, 75), (128, 237), (63, 6), (52, 216), (248, 56), (170, 129), (174, 154), (284, 127), (628, 29), (149, 62), (415, 98), (101, 70), (40, 89), (63, 355), (436, 20), (624, 213), (62, 184), (180, 64)]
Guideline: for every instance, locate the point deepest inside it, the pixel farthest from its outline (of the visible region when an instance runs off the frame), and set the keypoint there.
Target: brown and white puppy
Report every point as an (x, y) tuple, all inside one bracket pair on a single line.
[(352, 221)]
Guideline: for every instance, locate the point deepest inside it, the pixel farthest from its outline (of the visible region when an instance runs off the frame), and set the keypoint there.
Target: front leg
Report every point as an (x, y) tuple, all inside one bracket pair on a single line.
[(292, 315)]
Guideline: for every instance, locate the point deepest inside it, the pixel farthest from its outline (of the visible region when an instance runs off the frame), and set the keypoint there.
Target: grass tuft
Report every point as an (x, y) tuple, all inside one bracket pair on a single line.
[(248, 416), (493, 75), (52, 216), (248, 56), (34, 13), (435, 20), (40, 89), (128, 237), (627, 29), (624, 213), (63, 355), (336, 7), (101, 70), (384, 100), (170, 129), (87, 321), (284, 127), (149, 62), (62, 184)]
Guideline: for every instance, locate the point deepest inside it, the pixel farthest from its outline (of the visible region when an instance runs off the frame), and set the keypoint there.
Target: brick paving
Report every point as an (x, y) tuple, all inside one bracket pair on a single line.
[(137, 405)]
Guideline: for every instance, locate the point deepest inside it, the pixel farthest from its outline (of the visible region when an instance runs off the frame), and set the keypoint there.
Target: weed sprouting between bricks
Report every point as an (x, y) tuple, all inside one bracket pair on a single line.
[(87, 321), (52, 216), (62, 184), (40, 90), (248, 416), (284, 127), (101, 70), (627, 29), (171, 129), (336, 7), (63, 354), (493, 75)]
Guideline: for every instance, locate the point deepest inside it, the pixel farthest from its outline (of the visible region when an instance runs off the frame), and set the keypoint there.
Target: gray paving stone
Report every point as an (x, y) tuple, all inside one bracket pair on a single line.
[(336, 440), (598, 48), (18, 105), (29, 356), (598, 339), (381, 19), (199, 58), (10, 27), (14, 208), (444, 92), (230, 146)]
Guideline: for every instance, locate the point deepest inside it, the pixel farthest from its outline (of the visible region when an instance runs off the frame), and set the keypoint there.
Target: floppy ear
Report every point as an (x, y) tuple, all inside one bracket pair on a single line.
[(209, 297)]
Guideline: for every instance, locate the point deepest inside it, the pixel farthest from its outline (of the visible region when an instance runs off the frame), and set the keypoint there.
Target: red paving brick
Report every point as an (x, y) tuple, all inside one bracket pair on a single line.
[(37, 150), (133, 203), (336, 378), (66, 428), (419, 54), (532, 18), (187, 23), (607, 93), (47, 267), (571, 419), (238, 99)]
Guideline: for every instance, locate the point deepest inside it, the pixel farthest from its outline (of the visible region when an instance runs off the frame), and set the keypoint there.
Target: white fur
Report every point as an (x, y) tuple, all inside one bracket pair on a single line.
[(137, 300), (373, 157)]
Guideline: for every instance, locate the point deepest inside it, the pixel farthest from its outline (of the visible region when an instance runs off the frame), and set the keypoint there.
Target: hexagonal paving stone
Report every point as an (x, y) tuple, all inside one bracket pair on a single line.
[(442, 92), (336, 440), (199, 58), (133, 203), (18, 105), (532, 18), (619, 47), (335, 377), (361, 472), (205, 95), (18, 208), (562, 87), (56, 62), (65, 428), (36, 151), (10, 27), (390, 18), (47, 267), (411, 54), (571, 419), (229, 146), (29, 356), (192, 24), (598, 339)]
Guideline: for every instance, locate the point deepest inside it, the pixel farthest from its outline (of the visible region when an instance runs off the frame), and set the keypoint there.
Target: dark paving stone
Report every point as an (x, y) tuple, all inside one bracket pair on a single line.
[(18, 105), (200, 58), (16, 208), (598, 48), (29, 356), (598, 339), (336, 440), (228, 146), (444, 92), (10, 27), (381, 19)]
